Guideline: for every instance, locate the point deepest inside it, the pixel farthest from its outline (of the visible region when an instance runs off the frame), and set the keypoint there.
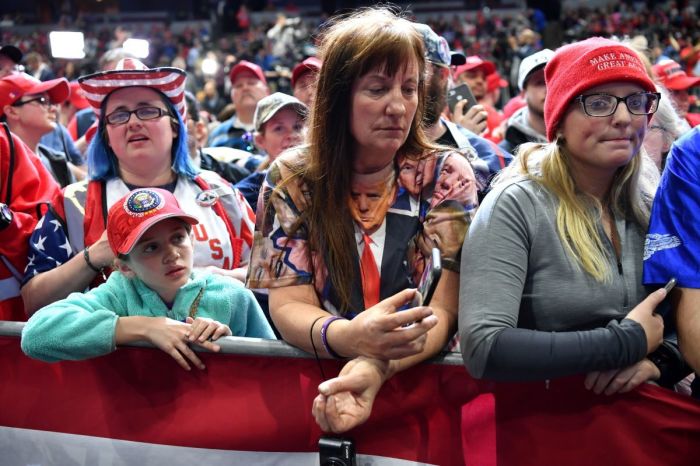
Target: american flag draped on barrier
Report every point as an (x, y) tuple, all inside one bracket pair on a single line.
[(136, 406)]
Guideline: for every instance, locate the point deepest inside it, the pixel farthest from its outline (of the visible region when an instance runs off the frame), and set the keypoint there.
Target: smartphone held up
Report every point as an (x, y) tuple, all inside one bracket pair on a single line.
[(459, 93)]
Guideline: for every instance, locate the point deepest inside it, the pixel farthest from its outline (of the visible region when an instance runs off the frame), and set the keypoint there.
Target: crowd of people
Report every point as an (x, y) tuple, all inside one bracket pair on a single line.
[(130, 212)]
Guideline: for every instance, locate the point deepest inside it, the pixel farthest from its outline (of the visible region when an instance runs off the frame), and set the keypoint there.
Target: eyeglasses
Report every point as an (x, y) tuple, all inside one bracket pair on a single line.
[(121, 117), (41, 100), (602, 105)]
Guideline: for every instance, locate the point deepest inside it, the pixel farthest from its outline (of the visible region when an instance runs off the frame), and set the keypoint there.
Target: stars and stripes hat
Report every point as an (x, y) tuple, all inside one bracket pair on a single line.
[(131, 72), (132, 215)]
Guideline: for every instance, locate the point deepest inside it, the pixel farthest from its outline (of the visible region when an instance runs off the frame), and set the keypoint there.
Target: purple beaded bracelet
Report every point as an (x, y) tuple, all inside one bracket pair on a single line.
[(324, 339)]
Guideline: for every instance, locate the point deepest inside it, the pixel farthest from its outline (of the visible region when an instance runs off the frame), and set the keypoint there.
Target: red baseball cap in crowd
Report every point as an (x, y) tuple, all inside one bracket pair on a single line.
[(311, 64), (132, 215), (475, 62), (131, 72), (672, 76), (244, 65), (495, 81), (77, 99), (14, 86)]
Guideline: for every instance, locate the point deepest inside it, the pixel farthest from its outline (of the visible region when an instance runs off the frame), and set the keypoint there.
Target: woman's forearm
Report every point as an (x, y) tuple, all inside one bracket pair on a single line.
[(521, 354), (293, 312), (52, 285)]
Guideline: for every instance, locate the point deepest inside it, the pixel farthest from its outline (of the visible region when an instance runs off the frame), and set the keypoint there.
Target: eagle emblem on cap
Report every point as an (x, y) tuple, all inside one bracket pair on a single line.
[(143, 202)]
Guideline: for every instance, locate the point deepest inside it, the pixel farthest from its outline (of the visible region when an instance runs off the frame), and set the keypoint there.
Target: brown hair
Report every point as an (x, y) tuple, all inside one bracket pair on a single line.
[(350, 48)]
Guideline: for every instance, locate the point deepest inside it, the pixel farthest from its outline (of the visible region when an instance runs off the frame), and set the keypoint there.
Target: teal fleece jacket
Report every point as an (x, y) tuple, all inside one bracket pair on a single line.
[(83, 325)]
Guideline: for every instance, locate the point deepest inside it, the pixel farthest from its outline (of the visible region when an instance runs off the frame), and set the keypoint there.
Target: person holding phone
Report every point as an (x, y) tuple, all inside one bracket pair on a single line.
[(462, 132), (336, 235), (551, 281)]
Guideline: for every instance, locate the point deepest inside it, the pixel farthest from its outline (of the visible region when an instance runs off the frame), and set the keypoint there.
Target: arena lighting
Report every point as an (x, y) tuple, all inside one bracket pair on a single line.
[(210, 66), (136, 47), (65, 44)]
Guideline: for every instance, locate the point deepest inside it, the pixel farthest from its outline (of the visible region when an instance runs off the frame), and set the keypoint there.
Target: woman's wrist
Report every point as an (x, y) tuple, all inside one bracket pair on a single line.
[(337, 338), (384, 369), (93, 264)]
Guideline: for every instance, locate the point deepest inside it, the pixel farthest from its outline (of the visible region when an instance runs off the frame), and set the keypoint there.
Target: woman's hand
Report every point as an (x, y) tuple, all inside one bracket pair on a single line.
[(101, 254), (346, 401), (622, 380), (384, 332), (171, 336), (651, 322), (204, 329), (237, 274)]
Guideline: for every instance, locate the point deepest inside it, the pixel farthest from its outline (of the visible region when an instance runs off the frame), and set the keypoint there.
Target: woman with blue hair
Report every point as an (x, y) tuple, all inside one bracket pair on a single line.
[(140, 141)]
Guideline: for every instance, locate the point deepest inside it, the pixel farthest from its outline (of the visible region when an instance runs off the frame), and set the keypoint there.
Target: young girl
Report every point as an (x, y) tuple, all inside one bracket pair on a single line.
[(155, 295)]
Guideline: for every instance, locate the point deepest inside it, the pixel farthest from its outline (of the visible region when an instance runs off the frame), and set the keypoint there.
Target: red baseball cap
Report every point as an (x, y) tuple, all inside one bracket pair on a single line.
[(474, 62), (244, 65), (14, 86), (672, 76), (495, 81), (310, 64), (77, 98), (132, 215)]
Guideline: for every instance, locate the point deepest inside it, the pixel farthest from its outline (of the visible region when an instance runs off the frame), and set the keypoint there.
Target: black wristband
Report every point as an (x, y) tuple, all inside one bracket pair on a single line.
[(86, 255)]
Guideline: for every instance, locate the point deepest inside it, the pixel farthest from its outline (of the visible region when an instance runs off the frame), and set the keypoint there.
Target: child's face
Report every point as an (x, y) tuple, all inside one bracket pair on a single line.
[(162, 258)]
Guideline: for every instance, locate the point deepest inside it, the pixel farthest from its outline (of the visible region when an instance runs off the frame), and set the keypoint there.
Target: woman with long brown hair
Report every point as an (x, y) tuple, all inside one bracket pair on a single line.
[(337, 239)]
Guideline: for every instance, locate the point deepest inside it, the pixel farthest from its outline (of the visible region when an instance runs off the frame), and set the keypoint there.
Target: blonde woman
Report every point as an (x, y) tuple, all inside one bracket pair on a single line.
[(551, 271)]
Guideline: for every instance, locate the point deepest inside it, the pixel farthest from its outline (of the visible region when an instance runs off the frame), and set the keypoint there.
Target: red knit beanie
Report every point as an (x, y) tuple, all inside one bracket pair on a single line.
[(576, 67)]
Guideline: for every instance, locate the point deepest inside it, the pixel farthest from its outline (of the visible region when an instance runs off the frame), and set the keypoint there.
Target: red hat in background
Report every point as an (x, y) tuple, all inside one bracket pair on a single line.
[(14, 86), (672, 76), (77, 98), (244, 65), (513, 105), (131, 72), (495, 81), (475, 62), (311, 64), (132, 215), (577, 67)]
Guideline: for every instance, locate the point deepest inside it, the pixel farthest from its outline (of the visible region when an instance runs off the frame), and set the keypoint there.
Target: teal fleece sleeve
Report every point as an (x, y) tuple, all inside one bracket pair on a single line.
[(228, 301), (80, 326)]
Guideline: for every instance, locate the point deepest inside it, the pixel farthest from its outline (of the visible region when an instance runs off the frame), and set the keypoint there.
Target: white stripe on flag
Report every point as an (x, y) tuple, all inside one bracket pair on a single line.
[(25, 447)]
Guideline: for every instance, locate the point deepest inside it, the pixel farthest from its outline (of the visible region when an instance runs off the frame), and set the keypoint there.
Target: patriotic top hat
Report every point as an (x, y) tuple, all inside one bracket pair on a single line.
[(131, 72)]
